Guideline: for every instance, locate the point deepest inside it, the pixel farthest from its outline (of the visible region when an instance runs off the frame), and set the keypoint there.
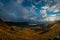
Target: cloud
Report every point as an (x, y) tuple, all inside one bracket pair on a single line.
[(56, 11), (1, 5), (43, 12), (7, 17), (19, 1), (15, 12), (10, 12), (55, 8), (45, 7)]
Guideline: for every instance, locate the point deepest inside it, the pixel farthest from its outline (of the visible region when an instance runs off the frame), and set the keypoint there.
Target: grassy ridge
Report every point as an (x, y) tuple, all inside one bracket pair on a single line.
[(17, 33)]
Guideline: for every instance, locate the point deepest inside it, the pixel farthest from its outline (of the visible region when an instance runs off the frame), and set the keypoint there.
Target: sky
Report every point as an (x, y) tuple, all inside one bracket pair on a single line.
[(29, 10)]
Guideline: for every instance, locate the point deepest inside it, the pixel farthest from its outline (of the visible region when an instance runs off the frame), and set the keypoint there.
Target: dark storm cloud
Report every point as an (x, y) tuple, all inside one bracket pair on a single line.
[(12, 11)]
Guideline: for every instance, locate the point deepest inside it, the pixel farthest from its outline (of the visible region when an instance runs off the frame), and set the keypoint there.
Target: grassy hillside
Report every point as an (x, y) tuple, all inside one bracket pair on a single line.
[(17, 33)]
